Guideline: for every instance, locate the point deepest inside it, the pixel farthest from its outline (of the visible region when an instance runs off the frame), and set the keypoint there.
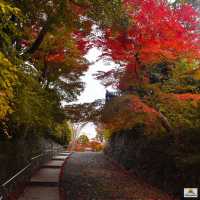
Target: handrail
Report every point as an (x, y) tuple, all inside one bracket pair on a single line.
[(4, 188), (35, 157), (16, 175)]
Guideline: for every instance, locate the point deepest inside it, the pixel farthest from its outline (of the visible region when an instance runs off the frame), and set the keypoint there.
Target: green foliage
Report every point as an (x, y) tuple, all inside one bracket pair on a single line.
[(62, 133), (8, 73), (107, 134), (8, 78), (34, 105), (83, 139), (24, 102), (9, 29)]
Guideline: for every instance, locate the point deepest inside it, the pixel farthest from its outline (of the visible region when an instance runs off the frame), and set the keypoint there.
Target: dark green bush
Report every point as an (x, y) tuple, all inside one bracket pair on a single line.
[(170, 162)]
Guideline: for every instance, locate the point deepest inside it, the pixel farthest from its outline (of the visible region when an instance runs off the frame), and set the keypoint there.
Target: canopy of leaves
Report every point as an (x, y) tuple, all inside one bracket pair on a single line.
[(158, 34), (42, 48), (86, 112), (157, 75)]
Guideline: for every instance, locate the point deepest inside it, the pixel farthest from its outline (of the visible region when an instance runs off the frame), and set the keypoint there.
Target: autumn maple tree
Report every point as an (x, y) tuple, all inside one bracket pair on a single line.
[(157, 33), (158, 46)]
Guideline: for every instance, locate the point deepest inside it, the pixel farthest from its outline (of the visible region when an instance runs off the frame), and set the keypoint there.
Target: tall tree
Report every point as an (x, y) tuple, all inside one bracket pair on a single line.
[(158, 46), (158, 34), (43, 44)]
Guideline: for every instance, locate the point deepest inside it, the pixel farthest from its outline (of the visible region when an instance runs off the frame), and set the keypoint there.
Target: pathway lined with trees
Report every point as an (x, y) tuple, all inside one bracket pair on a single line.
[(91, 176), (152, 121)]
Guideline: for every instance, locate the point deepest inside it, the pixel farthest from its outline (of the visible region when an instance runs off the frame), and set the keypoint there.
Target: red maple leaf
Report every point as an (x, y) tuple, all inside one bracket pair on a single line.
[(158, 33)]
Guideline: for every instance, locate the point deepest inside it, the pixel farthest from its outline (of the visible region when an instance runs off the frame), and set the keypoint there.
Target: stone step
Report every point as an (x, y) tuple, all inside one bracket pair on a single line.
[(40, 193), (46, 175), (44, 184), (53, 164), (64, 154), (59, 157)]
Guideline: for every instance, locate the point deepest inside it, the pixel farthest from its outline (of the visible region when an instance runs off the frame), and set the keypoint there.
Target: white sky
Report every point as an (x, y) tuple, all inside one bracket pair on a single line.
[(93, 88)]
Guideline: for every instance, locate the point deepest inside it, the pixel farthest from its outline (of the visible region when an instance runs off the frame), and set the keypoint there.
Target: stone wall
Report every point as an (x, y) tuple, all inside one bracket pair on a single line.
[(16, 154)]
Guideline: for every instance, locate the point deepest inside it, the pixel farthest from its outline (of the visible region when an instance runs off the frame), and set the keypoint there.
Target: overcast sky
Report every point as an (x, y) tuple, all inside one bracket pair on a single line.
[(93, 88)]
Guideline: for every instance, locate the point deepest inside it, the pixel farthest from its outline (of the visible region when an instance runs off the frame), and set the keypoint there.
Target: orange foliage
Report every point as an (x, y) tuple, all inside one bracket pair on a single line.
[(96, 146), (129, 110), (188, 96), (57, 57), (151, 115), (139, 106)]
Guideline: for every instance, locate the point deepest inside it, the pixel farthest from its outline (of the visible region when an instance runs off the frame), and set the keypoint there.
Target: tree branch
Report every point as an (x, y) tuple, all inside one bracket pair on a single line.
[(36, 44), (165, 122)]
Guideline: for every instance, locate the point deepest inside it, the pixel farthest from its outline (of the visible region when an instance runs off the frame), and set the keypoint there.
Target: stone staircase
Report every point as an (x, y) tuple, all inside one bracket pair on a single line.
[(44, 184)]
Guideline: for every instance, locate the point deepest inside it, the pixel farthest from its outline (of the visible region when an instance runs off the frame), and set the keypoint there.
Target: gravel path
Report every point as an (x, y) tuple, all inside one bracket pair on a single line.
[(90, 176)]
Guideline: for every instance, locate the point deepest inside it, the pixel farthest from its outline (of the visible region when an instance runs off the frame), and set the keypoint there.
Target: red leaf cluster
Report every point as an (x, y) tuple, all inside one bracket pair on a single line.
[(81, 41), (56, 57), (158, 33), (138, 106), (188, 96)]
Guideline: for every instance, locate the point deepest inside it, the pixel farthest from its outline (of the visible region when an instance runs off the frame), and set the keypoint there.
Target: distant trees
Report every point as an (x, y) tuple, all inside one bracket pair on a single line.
[(83, 139), (62, 133)]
